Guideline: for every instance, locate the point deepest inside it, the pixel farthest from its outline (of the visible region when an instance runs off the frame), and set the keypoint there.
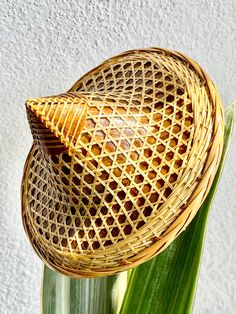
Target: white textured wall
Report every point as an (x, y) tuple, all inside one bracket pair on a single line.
[(45, 47)]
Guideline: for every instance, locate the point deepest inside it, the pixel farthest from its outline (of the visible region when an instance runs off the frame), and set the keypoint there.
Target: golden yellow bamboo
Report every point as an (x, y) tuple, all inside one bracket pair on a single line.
[(121, 163)]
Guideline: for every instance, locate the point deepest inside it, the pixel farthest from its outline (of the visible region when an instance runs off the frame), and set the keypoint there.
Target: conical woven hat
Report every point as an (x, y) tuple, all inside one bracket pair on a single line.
[(121, 163)]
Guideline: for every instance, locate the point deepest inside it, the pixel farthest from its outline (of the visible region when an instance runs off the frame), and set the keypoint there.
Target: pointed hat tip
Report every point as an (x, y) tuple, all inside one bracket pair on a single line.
[(63, 115)]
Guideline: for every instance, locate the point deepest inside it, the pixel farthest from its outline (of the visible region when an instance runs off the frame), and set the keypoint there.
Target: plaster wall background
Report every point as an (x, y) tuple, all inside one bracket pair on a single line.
[(45, 47)]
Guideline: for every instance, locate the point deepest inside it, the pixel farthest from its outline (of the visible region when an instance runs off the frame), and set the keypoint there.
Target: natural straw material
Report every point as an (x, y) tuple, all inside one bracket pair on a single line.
[(121, 163)]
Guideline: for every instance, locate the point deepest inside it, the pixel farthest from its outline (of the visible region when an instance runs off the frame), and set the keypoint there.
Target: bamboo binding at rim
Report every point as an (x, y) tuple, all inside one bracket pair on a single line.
[(121, 163)]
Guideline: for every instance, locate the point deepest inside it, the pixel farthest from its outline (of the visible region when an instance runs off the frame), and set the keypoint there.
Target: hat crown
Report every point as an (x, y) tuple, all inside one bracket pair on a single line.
[(56, 121)]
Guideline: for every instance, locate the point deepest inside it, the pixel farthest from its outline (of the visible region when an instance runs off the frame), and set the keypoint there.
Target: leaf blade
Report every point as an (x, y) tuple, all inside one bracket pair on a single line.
[(64, 295)]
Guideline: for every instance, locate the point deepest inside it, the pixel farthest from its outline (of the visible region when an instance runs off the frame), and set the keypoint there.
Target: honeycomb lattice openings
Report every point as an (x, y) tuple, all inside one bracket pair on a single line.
[(102, 186)]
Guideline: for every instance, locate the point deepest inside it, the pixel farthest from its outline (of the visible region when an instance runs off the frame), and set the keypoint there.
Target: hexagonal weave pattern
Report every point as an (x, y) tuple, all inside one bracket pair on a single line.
[(121, 163)]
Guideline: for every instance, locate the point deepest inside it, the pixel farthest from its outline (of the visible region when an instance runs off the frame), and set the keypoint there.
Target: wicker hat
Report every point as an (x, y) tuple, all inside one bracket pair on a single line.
[(121, 163)]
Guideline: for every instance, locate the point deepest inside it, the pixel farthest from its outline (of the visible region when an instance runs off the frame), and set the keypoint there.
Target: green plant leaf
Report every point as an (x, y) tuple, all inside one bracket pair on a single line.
[(64, 295), (167, 283)]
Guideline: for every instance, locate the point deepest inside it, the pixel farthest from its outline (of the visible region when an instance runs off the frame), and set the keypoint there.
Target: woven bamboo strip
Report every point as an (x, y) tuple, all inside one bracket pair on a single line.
[(120, 163)]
